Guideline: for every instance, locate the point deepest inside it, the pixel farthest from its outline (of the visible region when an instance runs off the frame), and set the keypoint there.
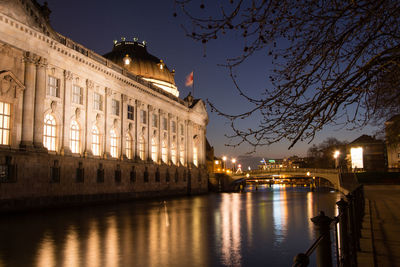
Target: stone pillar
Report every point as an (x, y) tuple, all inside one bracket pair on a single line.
[(178, 142), (169, 138), (137, 132), (324, 249), (344, 238), (40, 95), (66, 112), (105, 136), (189, 143), (89, 87), (148, 120), (160, 135), (28, 101), (124, 99)]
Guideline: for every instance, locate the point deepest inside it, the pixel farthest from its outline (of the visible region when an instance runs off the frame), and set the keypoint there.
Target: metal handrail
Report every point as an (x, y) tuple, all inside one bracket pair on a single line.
[(350, 214)]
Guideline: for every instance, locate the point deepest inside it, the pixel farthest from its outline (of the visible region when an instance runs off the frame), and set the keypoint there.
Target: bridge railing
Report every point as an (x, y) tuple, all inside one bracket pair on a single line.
[(297, 170), (347, 239)]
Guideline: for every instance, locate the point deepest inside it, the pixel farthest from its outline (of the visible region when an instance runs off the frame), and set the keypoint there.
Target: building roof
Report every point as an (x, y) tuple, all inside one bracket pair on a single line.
[(365, 139), (141, 62)]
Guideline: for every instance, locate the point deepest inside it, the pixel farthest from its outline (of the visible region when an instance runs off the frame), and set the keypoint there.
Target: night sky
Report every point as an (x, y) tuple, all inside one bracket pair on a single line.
[(96, 23)]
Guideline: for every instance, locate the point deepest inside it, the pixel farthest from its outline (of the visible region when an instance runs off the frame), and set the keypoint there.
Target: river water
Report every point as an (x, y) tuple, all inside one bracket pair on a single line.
[(267, 227)]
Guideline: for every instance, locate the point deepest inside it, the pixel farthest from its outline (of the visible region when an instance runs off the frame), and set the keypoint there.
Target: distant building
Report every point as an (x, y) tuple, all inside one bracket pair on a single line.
[(366, 153), (393, 149)]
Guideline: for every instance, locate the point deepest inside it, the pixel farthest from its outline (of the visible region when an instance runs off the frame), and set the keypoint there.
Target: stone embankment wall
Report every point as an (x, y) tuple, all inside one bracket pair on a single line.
[(35, 180)]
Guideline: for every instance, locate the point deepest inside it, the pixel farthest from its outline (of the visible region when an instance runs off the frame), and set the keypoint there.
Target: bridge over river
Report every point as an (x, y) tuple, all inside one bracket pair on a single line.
[(331, 175)]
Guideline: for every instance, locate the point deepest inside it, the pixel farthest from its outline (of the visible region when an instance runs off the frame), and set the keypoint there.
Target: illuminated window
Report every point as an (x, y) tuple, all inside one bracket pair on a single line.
[(115, 107), (182, 152), (173, 153), (131, 113), (97, 101), (95, 141), (5, 117), (164, 152), (53, 87), (165, 124), (195, 162), (74, 140), (357, 157), (154, 121), (49, 136), (77, 95), (142, 151), (143, 116), (154, 149), (173, 126), (113, 144), (128, 146)]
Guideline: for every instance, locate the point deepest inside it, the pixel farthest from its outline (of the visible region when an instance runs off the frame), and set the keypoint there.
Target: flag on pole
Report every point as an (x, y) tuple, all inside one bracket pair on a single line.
[(189, 80)]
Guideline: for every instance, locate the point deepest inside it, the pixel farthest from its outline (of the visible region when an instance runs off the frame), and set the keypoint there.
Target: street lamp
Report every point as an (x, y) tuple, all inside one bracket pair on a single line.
[(234, 164), (336, 156), (224, 160)]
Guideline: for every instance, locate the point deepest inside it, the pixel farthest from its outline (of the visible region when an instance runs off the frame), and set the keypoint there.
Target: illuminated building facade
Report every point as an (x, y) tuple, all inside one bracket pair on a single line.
[(73, 122)]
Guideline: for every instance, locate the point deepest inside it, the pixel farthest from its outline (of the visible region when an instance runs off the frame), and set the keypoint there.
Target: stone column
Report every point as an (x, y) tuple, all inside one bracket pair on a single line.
[(137, 125), (66, 112), (178, 142), (40, 95), (160, 134), (105, 136), (89, 86), (169, 138), (124, 99), (189, 144), (28, 101), (149, 110)]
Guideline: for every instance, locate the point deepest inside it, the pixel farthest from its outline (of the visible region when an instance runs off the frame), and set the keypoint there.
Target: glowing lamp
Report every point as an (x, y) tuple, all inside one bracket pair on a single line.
[(127, 60)]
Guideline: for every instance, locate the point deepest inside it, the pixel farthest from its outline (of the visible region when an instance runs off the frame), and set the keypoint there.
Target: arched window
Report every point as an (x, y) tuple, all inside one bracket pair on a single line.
[(95, 141), (173, 153), (49, 136), (154, 149), (195, 161), (142, 151), (5, 117), (164, 152), (128, 146), (182, 152), (75, 137), (113, 144)]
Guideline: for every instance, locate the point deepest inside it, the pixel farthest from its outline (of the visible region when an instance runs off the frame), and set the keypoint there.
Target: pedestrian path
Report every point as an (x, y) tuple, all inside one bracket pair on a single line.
[(380, 242)]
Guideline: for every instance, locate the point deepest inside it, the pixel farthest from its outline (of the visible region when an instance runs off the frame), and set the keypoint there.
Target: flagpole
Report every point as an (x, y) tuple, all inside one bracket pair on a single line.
[(193, 84)]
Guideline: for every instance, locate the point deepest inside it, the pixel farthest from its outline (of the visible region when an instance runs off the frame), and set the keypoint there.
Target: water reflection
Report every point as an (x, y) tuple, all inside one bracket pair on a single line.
[(45, 256), (258, 228), (93, 245), (230, 227), (280, 207)]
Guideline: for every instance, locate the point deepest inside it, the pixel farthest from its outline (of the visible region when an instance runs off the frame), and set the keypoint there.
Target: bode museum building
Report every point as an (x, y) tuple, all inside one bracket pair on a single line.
[(76, 126)]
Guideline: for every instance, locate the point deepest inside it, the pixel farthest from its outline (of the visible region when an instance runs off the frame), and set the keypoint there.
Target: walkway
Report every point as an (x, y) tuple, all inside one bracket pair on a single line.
[(381, 246)]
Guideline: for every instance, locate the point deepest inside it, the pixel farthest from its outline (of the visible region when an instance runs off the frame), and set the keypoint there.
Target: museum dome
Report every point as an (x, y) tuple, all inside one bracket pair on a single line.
[(133, 56)]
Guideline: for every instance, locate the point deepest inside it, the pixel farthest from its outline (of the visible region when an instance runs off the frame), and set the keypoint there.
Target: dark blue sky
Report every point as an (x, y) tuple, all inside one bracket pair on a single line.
[(96, 23)]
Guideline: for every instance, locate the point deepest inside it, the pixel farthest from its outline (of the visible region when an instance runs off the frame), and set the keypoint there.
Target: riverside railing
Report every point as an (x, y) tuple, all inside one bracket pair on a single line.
[(347, 232)]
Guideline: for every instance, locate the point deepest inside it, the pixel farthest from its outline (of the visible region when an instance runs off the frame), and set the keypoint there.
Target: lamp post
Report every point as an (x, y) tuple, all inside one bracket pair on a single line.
[(234, 164), (224, 160), (336, 157)]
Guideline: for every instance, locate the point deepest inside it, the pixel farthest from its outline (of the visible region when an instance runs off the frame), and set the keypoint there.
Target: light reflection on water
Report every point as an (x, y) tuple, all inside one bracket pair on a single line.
[(267, 227)]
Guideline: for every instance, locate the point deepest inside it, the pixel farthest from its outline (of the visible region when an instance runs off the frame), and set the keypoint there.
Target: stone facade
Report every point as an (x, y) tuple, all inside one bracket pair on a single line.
[(75, 125)]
